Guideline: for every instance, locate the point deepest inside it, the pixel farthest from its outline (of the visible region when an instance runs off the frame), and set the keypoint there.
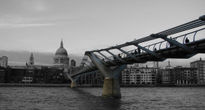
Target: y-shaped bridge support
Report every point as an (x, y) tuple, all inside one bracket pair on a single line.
[(73, 83), (111, 86)]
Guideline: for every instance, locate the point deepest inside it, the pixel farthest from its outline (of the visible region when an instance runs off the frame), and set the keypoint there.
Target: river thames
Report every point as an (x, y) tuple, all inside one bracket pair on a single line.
[(64, 98)]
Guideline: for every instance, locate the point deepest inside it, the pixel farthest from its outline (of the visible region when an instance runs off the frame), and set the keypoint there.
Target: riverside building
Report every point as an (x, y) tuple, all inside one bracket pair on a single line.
[(167, 77), (185, 76), (139, 76), (200, 65), (179, 76), (4, 61)]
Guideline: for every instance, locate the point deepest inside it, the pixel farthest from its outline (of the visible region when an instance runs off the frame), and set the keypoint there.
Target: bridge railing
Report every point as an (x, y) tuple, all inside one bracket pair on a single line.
[(183, 39)]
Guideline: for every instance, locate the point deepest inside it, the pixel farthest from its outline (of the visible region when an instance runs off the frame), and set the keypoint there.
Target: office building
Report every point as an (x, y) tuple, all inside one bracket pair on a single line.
[(200, 65), (4, 61), (139, 76)]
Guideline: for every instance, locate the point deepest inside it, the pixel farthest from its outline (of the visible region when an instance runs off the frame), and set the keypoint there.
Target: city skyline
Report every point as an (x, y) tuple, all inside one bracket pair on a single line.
[(40, 25), (21, 57)]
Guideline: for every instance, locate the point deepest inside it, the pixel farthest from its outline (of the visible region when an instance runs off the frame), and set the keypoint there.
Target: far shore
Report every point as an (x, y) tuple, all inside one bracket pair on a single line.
[(32, 85), (85, 85)]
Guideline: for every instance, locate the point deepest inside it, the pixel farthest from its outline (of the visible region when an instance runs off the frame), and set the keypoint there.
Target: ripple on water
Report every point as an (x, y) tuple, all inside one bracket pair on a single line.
[(60, 98)]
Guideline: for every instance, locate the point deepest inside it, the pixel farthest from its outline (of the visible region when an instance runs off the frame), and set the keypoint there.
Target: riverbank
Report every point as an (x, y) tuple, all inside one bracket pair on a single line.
[(43, 85), (86, 85), (32, 85)]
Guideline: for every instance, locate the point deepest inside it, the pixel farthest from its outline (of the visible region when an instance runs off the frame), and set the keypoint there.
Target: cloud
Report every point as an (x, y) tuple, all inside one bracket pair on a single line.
[(17, 21), (13, 21), (23, 25)]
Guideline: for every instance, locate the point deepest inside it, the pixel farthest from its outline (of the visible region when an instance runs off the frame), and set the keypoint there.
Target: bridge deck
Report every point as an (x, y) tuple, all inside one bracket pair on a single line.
[(172, 52), (176, 49)]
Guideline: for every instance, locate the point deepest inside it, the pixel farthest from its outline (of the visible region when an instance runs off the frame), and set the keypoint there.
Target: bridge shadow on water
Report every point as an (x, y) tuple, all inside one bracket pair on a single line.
[(88, 101)]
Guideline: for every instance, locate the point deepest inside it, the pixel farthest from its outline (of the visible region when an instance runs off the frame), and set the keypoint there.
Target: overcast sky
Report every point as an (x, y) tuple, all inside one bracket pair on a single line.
[(39, 25)]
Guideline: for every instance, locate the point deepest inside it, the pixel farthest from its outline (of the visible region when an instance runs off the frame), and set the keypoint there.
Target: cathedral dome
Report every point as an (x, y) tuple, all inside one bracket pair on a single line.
[(61, 51)]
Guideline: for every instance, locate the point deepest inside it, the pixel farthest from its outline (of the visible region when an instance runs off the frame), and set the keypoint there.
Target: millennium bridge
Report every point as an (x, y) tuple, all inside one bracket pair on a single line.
[(182, 41)]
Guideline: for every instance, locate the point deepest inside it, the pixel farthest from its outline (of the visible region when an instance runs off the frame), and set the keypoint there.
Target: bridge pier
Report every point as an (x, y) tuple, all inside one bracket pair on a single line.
[(73, 84), (111, 86)]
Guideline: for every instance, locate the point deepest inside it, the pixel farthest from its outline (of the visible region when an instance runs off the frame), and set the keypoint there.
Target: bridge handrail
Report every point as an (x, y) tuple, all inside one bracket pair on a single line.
[(195, 32), (154, 44)]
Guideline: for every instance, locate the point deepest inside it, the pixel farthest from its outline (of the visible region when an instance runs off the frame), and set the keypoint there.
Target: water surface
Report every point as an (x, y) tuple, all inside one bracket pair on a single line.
[(63, 98)]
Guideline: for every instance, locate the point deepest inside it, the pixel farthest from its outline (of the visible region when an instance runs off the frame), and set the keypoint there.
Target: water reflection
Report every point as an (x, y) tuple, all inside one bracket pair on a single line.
[(89, 101)]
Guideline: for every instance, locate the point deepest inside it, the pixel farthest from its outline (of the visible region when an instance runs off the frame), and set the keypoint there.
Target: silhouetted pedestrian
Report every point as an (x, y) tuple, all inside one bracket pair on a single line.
[(119, 56), (186, 40), (135, 52), (170, 44), (139, 50), (114, 57)]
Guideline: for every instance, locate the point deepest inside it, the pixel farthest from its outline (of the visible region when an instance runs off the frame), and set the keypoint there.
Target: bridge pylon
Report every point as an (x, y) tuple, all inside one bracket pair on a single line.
[(73, 82), (111, 86)]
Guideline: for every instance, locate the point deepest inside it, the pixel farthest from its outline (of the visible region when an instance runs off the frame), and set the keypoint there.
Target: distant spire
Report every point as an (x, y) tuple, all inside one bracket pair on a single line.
[(61, 43), (31, 59)]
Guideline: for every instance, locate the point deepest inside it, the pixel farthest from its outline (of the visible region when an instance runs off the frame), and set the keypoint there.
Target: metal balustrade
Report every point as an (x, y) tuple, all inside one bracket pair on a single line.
[(154, 45)]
